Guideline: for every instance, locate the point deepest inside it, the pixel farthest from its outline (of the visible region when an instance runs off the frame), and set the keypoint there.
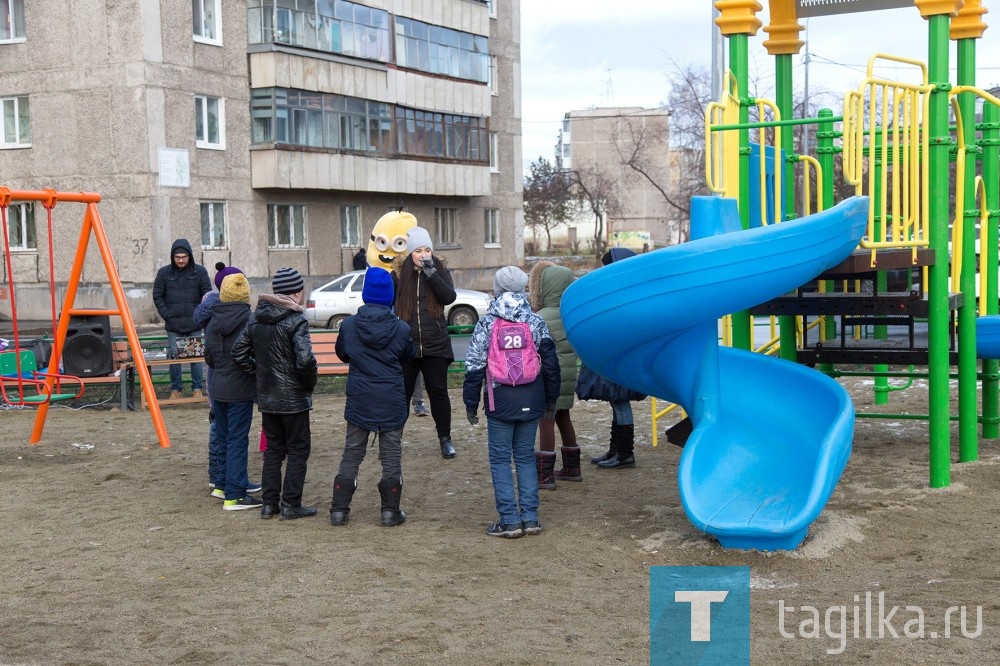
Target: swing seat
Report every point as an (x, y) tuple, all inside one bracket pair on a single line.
[(30, 376)]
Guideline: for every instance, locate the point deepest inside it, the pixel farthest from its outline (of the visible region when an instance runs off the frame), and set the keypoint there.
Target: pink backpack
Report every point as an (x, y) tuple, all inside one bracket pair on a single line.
[(513, 359)]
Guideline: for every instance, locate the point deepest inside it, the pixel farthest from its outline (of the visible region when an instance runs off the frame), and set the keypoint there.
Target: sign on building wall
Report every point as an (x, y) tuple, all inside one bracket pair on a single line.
[(808, 8), (174, 167), (639, 241)]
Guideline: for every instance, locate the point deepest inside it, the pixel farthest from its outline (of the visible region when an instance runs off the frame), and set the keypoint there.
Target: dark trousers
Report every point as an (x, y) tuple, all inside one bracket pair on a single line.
[(390, 452), (547, 431), (287, 436), (435, 372)]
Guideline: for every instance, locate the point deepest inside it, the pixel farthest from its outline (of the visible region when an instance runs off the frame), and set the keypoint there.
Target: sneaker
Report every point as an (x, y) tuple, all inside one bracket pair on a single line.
[(218, 493), (420, 409), (254, 487), (196, 393), (531, 527), (175, 395), (501, 529), (242, 504), (211, 485)]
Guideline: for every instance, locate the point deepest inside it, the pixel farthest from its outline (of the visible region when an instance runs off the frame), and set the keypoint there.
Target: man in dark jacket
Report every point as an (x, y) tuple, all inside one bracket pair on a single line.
[(275, 347), (376, 344), (177, 291)]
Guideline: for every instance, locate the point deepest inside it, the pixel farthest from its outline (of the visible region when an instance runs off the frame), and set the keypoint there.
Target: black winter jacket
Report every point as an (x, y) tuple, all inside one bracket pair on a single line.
[(176, 292), (228, 383), (376, 344), (430, 334), (275, 346)]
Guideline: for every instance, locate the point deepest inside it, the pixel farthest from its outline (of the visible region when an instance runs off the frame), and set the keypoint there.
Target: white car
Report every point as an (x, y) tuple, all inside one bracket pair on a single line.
[(329, 304)]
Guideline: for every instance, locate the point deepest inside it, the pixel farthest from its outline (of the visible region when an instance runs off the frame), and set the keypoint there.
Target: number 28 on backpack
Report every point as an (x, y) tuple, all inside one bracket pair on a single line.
[(513, 359)]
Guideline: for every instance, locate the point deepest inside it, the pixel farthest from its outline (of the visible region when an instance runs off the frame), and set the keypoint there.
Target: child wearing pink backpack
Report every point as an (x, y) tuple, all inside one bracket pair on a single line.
[(512, 352)]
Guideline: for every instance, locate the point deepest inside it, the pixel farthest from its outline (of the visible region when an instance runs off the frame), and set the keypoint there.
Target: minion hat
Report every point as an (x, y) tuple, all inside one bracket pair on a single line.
[(417, 238), (235, 288), (378, 289), (223, 271), (287, 281), (509, 278)]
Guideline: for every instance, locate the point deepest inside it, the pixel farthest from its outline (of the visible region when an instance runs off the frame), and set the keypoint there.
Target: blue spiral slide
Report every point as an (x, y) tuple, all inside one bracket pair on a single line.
[(770, 438)]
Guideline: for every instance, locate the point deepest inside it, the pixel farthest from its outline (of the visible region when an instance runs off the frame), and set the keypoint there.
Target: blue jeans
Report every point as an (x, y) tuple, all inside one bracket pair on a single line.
[(175, 369), (216, 471), (232, 431), (621, 413), (515, 440)]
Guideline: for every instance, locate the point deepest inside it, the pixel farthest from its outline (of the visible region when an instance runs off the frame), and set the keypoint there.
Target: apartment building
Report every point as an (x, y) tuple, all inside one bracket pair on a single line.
[(602, 140), (269, 133)]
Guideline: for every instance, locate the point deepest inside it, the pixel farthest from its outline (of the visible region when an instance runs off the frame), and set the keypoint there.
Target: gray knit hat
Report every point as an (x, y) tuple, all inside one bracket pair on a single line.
[(509, 278), (287, 281), (418, 237)]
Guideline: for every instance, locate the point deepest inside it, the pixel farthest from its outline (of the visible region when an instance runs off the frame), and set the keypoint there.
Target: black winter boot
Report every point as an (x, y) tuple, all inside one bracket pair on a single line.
[(390, 490), (571, 464), (626, 446), (612, 448), (343, 491), (447, 448), (545, 463)]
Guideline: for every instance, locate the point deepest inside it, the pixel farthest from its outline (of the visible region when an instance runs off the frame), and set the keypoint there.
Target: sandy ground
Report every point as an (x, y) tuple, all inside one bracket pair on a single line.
[(116, 554)]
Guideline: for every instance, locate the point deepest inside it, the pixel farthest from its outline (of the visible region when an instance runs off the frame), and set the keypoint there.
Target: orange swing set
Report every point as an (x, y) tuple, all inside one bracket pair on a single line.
[(18, 365)]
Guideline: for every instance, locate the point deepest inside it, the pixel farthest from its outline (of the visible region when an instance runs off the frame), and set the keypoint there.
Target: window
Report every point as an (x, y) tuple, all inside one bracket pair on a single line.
[(494, 155), (492, 227), (205, 15), (213, 225), (438, 50), (492, 4), (446, 223), (16, 124), (350, 226), (432, 134), (286, 225), (320, 120), (210, 122), (11, 20), (21, 226), (493, 75)]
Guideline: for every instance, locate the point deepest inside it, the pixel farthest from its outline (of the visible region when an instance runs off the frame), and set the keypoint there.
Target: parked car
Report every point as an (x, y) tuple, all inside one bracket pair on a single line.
[(329, 304)]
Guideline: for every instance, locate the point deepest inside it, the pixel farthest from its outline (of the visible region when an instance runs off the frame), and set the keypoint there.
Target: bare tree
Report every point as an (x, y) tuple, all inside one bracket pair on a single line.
[(548, 199), (597, 192)]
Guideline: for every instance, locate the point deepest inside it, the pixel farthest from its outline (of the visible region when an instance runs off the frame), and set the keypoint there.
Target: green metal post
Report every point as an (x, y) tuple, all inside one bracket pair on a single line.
[(824, 154), (991, 177), (739, 64), (783, 70), (881, 381), (968, 427), (937, 292)]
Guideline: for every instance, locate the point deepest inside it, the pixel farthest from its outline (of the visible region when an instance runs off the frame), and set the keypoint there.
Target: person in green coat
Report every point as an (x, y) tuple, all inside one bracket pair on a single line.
[(546, 285)]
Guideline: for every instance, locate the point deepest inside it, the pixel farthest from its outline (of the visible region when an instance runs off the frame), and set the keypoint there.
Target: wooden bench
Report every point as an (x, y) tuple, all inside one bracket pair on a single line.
[(324, 349)]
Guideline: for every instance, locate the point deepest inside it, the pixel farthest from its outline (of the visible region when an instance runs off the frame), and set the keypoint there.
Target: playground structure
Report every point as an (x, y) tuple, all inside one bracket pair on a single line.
[(897, 148), (47, 385)]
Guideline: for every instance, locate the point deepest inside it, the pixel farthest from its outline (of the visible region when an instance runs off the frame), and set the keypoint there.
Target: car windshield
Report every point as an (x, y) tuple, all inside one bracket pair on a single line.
[(337, 285)]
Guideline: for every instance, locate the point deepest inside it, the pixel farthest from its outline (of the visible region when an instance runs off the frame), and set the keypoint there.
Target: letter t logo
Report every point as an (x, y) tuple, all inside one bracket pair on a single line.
[(701, 611)]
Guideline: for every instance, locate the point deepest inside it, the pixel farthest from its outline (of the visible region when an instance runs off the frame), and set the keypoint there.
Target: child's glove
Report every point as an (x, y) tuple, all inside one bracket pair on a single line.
[(550, 413), (471, 415), (428, 266)]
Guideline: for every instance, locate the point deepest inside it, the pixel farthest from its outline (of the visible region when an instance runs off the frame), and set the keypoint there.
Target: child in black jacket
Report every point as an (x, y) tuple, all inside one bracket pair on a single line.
[(376, 344)]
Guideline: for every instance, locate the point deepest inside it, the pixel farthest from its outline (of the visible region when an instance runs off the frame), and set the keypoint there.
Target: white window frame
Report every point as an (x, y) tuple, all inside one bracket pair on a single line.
[(201, 111), (491, 227), (22, 215), (212, 208), (492, 4), (494, 152), (213, 14), (15, 104), (493, 76), (350, 216), (446, 227), (13, 31), (272, 226)]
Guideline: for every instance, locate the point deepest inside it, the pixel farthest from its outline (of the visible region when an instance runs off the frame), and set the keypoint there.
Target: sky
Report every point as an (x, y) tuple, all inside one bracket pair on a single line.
[(581, 54)]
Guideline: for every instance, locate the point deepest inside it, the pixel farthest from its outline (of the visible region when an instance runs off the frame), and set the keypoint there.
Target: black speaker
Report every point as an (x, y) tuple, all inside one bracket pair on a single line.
[(87, 350)]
